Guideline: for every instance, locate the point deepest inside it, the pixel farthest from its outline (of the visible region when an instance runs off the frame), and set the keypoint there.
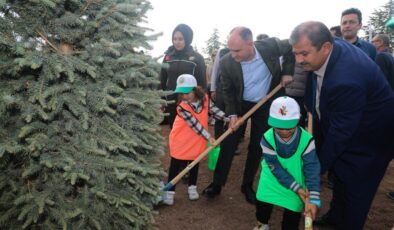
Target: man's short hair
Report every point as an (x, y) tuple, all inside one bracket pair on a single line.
[(337, 30), (316, 32), (353, 11)]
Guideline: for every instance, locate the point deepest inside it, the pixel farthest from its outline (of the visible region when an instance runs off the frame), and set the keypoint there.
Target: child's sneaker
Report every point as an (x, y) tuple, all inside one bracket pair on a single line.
[(261, 226), (193, 194), (168, 197)]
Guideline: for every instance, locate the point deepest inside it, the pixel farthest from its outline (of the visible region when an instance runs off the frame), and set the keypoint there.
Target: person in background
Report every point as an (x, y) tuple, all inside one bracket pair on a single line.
[(290, 169), (354, 106), (189, 135), (385, 61), (216, 90), (296, 90), (384, 58), (336, 31), (261, 37), (210, 70), (209, 78), (247, 74), (351, 23), (180, 58)]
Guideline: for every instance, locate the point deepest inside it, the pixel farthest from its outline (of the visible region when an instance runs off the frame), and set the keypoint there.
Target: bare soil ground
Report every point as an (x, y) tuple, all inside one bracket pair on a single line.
[(231, 211)]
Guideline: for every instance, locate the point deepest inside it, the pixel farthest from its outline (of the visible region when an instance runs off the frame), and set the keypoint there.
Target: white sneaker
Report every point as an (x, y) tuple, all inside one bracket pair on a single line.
[(261, 226), (193, 194), (168, 197)]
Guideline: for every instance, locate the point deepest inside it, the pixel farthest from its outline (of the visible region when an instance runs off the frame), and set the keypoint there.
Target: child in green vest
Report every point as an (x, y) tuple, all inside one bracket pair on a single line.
[(290, 174)]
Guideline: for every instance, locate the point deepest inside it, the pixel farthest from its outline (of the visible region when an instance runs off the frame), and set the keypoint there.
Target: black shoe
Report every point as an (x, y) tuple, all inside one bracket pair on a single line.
[(212, 190), (324, 221), (391, 195), (250, 195)]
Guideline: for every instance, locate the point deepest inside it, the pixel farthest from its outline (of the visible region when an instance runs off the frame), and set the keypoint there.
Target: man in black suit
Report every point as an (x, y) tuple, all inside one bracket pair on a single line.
[(248, 72)]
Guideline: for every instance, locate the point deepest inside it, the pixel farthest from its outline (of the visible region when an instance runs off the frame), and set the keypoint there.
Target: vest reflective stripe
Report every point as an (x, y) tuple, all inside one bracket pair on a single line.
[(269, 189), (184, 142)]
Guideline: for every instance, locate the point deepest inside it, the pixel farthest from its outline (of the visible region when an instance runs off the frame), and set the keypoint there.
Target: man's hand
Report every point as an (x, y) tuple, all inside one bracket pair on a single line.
[(286, 79), (233, 123), (213, 95)]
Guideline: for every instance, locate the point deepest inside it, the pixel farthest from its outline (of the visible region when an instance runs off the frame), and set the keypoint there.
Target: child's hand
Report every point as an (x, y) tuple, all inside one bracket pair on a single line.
[(310, 209), (303, 194), (211, 140)]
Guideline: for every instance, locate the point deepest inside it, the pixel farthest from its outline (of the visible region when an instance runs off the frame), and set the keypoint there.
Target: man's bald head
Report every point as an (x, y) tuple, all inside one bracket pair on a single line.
[(243, 32), (240, 44)]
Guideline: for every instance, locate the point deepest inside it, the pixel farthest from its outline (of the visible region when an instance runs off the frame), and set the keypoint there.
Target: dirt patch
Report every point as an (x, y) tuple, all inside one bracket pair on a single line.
[(231, 211)]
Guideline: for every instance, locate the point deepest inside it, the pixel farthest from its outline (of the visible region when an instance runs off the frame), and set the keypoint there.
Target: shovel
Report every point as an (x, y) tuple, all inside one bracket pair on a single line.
[(308, 218)]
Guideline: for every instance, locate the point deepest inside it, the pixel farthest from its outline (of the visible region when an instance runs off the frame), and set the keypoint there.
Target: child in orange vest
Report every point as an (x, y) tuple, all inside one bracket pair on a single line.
[(189, 134)]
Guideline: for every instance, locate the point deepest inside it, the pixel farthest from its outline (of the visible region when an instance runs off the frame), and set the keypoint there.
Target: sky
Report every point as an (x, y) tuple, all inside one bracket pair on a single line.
[(277, 18)]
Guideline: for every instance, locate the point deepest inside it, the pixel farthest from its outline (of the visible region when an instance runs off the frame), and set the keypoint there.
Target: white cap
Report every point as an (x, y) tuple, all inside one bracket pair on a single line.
[(284, 113), (185, 83)]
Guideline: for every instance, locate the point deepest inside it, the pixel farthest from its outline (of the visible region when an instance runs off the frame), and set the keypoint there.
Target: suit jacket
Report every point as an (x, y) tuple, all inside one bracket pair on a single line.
[(357, 111), (232, 82), (385, 61)]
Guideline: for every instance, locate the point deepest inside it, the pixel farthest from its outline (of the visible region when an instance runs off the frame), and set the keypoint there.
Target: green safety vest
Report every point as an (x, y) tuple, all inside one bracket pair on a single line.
[(269, 189)]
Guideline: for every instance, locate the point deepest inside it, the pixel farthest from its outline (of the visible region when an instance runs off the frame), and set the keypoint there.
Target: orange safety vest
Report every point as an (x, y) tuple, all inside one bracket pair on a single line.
[(184, 142)]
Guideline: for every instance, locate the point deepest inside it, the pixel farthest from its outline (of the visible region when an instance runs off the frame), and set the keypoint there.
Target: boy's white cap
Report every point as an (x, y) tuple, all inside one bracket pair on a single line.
[(185, 83), (284, 113)]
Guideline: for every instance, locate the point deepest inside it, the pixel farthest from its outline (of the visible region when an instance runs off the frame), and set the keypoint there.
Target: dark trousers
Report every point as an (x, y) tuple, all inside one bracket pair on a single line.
[(219, 124), (354, 190), (290, 219), (170, 109), (176, 166), (229, 145)]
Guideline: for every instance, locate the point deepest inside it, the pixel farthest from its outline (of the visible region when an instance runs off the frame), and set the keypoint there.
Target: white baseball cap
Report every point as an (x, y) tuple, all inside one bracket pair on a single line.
[(284, 113), (185, 83)]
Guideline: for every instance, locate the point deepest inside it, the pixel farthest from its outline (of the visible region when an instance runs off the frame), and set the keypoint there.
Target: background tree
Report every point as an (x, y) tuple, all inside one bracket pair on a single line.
[(79, 144), (377, 21), (213, 42)]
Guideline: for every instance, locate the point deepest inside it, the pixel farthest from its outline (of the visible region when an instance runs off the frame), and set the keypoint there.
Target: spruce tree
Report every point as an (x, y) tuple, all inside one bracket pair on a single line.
[(378, 20), (79, 141), (213, 42)]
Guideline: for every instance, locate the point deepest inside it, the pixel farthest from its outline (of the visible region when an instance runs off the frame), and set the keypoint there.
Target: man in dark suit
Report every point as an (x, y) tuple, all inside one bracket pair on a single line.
[(248, 72), (354, 107), (384, 59)]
